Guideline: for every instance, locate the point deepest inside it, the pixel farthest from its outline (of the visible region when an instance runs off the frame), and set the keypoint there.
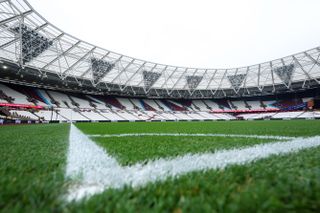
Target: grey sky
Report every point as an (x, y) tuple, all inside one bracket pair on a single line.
[(202, 33)]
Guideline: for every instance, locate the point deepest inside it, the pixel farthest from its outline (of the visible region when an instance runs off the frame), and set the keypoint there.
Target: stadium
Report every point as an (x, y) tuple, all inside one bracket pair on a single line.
[(86, 129)]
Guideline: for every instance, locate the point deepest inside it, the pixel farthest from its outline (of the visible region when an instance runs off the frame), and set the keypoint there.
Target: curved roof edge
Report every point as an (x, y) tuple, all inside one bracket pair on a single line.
[(31, 42), (170, 65)]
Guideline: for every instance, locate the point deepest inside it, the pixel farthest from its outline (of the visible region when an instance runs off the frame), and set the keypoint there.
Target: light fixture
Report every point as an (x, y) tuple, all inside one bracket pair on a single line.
[(4, 67)]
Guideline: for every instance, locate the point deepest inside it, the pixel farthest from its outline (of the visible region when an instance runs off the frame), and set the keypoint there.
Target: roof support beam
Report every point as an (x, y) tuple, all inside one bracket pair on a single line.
[(183, 74), (191, 91), (271, 70), (77, 62), (312, 59), (129, 79), (219, 87), (142, 79), (62, 54), (85, 72), (123, 70), (17, 39), (245, 80), (5, 21), (166, 79), (259, 71), (211, 79), (304, 71)]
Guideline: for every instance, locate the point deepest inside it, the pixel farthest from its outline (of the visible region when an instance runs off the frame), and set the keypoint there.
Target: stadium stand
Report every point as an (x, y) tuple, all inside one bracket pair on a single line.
[(76, 107), (49, 75)]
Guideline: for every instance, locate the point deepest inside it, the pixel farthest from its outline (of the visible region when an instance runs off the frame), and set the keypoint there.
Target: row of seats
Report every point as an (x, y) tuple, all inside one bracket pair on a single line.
[(282, 115), (79, 107), (63, 100), (64, 114)]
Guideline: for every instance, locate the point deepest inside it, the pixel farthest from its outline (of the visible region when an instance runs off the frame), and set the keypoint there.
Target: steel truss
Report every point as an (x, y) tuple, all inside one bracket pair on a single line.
[(32, 43)]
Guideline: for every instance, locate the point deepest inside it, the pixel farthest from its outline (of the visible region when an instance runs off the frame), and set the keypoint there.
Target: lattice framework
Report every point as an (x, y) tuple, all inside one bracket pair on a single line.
[(30, 41)]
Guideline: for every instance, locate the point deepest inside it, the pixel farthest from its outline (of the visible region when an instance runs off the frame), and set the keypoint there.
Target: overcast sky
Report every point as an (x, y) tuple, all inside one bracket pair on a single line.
[(195, 33)]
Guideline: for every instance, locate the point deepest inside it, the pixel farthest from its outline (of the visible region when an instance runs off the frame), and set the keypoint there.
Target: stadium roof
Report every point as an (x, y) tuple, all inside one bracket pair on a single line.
[(33, 46)]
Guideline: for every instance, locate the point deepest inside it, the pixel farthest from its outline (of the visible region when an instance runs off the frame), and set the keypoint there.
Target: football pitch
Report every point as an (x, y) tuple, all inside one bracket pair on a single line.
[(247, 166)]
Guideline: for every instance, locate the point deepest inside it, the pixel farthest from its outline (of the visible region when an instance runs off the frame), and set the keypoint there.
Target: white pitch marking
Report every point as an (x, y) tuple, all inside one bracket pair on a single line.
[(94, 171), (195, 135)]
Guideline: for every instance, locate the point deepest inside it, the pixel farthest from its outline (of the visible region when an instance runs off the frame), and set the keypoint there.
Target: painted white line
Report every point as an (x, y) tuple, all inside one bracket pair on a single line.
[(94, 171), (193, 135), (88, 163)]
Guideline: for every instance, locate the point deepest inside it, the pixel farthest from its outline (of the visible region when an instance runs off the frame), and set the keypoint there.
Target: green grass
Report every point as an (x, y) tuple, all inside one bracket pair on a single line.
[(32, 167), (154, 147), (33, 159), (284, 128), (289, 183)]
